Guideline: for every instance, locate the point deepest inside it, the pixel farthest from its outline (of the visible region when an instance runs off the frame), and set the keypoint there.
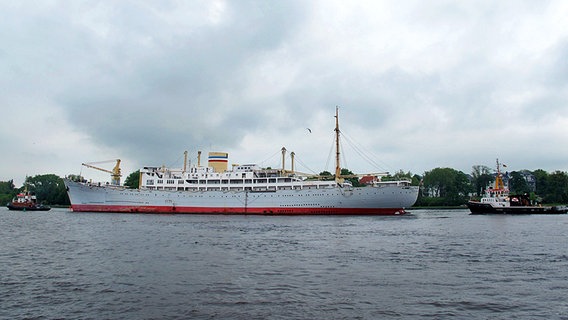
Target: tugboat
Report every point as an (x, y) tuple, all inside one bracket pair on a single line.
[(26, 201), (497, 200)]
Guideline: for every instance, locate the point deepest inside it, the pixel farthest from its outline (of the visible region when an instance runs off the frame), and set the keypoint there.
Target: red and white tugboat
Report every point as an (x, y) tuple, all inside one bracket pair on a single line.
[(26, 201)]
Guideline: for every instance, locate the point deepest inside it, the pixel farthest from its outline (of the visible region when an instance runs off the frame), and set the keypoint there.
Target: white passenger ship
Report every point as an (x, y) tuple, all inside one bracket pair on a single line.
[(244, 189)]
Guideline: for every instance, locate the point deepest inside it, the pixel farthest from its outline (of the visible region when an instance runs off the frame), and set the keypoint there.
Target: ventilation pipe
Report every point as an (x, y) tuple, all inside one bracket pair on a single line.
[(283, 158), (184, 161), (292, 154)]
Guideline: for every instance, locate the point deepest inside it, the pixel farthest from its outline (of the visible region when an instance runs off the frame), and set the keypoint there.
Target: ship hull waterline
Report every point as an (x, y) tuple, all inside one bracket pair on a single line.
[(336, 201), (485, 208), (27, 208), (237, 211)]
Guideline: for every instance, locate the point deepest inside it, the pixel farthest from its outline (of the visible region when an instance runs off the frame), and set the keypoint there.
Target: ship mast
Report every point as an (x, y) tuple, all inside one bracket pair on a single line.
[(499, 185), (337, 164)]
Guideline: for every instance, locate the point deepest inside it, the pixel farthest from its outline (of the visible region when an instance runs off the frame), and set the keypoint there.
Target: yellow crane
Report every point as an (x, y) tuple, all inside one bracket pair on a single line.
[(114, 173)]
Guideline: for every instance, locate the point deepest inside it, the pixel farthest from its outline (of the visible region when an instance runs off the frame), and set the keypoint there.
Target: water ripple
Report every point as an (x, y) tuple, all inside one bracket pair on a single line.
[(434, 264)]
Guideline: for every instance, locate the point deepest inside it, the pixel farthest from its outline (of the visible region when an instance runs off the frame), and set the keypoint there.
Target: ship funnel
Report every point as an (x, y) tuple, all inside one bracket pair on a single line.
[(198, 159), (218, 161)]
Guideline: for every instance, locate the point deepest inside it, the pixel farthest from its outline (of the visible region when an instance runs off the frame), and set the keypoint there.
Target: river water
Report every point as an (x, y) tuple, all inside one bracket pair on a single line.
[(433, 264)]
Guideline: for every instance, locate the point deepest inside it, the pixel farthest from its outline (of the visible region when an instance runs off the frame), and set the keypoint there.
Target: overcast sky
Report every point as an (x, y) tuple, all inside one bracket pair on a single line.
[(420, 84)]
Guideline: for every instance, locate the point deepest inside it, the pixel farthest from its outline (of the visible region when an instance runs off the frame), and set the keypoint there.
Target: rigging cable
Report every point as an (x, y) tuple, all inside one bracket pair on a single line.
[(304, 165), (330, 154), (368, 158), (270, 158)]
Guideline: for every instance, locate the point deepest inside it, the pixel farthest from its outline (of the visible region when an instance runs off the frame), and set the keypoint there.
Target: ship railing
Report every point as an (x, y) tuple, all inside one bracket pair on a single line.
[(398, 183)]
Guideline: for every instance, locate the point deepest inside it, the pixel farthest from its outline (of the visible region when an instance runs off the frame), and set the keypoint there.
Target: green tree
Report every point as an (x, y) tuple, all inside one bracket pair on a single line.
[(541, 177), (482, 177), (350, 177), (7, 191), (416, 180), (76, 178), (326, 175), (448, 186), (48, 188), (518, 183), (557, 188), (133, 180)]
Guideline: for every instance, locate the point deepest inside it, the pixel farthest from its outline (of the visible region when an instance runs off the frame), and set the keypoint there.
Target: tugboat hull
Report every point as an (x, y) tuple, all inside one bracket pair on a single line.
[(26, 207), (485, 208)]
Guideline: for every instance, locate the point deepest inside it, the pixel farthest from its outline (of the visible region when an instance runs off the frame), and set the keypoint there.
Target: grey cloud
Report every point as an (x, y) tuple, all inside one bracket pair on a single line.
[(173, 95), (148, 79)]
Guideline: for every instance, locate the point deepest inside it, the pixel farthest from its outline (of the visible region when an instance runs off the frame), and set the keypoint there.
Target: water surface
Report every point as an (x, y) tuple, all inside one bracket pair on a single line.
[(432, 264)]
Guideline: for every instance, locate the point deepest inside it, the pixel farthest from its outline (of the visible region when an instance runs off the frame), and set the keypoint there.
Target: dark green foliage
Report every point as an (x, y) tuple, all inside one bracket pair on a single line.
[(416, 180), (552, 188), (518, 184), (433, 202), (326, 174), (482, 177), (557, 188), (445, 187), (7, 191), (541, 181), (48, 188), (350, 177), (133, 180), (76, 178)]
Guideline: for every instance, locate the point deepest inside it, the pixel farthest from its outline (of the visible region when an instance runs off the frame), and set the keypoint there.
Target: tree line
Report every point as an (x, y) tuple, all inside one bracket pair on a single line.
[(450, 187), (48, 188), (438, 187)]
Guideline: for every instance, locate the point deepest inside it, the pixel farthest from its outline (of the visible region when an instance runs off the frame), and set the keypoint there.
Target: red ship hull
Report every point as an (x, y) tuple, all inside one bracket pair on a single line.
[(239, 211)]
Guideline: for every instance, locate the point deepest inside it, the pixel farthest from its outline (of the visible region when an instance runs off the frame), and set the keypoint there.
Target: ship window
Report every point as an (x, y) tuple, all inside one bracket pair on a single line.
[(160, 181)]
